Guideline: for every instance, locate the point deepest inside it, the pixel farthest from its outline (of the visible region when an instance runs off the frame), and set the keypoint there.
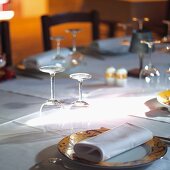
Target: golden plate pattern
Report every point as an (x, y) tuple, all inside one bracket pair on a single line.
[(163, 97), (157, 150)]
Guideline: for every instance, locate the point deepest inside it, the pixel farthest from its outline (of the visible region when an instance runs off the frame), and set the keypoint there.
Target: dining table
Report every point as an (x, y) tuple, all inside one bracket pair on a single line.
[(29, 139)]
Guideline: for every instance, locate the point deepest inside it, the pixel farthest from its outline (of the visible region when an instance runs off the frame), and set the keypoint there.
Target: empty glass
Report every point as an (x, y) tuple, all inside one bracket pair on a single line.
[(52, 70), (76, 56), (80, 77), (166, 39), (149, 75), (59, 57), (167, 79)]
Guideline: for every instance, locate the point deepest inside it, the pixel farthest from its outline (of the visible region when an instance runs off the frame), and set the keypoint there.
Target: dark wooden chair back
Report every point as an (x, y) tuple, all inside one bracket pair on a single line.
[(49, 21), (5, 41)]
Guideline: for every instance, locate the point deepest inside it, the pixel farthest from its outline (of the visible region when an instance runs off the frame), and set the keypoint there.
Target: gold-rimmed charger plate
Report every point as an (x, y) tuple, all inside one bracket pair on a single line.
[(137, 157)]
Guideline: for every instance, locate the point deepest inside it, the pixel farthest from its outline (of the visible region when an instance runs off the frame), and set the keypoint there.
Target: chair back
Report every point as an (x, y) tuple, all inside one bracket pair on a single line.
[(53, 20)]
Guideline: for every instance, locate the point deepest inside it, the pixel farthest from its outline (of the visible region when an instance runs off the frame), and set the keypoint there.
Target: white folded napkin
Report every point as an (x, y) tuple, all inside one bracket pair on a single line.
[(113, 45), (45, 58), (112, 142)]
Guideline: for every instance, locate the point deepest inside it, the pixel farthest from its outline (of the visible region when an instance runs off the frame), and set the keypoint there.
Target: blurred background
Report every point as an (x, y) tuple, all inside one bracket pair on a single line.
[(25, 26)]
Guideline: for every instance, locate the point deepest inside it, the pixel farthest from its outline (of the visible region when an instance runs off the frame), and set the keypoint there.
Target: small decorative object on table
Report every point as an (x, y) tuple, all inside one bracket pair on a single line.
[(110, 75), (121, 77)]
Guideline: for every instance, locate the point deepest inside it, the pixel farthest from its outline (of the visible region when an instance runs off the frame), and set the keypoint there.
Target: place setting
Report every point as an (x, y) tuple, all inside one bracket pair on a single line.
[(97, 149), (69, 58)]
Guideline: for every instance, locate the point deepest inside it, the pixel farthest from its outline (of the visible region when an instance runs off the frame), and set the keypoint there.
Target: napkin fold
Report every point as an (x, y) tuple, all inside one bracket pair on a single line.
[(45, 58), (112, 45), (112, 142)]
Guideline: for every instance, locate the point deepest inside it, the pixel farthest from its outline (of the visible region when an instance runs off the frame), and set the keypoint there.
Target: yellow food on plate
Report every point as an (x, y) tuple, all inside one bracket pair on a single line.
[(164, 97)]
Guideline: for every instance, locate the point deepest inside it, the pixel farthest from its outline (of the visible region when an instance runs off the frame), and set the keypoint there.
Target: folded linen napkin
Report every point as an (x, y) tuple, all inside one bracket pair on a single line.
[(45, 58), (112, 142), (112, 45)]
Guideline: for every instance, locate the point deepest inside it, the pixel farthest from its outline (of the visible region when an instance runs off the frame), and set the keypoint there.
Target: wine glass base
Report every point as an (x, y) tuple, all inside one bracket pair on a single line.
[(51, 104), (79, 103)]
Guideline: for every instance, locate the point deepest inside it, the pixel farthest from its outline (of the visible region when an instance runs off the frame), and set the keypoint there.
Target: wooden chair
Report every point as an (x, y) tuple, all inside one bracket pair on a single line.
[(5, 41), (49, 21)]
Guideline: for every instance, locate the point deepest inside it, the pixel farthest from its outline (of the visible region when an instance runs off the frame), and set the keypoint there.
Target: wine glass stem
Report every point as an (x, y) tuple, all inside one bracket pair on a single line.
[(74, 42), (80, 90), (52, 77), (150, 53), (140, 61), (58, 47)]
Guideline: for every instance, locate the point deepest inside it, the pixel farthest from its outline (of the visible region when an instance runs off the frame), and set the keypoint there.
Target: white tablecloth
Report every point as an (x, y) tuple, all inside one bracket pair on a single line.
[(24, 141)]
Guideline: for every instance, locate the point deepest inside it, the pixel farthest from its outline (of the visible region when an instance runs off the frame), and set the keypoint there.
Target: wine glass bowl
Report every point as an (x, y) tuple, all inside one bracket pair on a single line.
[(52, 70), (149, 75), (80, 77), (167, 78), (75, 55), (166, 39), (58, 57)]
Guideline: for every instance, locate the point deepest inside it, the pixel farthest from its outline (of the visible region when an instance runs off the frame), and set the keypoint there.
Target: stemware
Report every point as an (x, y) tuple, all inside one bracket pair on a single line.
[(52, 70), (167, 79), (2, 60), (58, 57), (149, 73), (80, 77), (166, 39), (76, 56)]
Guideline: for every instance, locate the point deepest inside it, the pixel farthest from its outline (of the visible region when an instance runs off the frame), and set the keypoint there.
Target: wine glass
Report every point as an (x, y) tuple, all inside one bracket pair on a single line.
[(2, 60), (80, 77), (149, 73), (166, 39), (76, 56), (59, 57), (167, 79), (52, 70)]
